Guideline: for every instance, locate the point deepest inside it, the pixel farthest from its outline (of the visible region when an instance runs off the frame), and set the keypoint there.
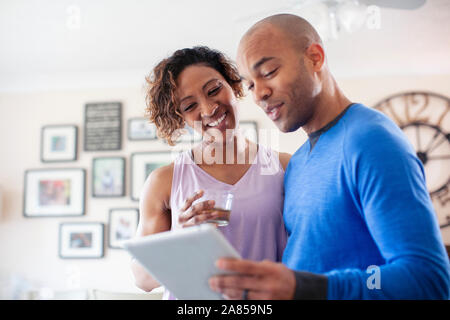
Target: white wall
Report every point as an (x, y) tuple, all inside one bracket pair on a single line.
[(29, 246)]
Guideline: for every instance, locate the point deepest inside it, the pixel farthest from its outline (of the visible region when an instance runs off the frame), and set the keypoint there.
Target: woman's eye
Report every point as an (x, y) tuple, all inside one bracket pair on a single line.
[(189, 107), (214, 91), (250, 87)]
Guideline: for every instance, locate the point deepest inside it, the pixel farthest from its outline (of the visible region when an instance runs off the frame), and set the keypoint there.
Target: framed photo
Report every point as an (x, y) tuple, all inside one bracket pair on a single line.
[(141, 129), (59, 143), (82, 240), (191, 136), (142, 164), (250, 130), (54, 192), (123, 224), (103, 126), (108, 177)]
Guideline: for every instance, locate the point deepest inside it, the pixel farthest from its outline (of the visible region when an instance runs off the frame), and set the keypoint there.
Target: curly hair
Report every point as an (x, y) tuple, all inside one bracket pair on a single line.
[(162, 106)]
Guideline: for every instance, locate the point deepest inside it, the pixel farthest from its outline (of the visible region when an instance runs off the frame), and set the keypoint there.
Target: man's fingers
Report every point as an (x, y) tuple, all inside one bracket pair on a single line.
[(233, 286), (245, 266), (238, 294), (191, 199)]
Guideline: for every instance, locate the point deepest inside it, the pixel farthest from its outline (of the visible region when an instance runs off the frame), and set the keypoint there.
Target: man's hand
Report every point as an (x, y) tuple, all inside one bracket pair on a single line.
[(264, 280)]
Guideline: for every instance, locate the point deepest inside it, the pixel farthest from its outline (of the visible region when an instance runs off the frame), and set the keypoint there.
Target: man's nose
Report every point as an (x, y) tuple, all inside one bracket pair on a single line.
[(261, 93)]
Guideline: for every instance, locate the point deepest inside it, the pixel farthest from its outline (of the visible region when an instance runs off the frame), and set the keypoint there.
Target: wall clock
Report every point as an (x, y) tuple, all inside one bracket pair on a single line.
[(425, 119)]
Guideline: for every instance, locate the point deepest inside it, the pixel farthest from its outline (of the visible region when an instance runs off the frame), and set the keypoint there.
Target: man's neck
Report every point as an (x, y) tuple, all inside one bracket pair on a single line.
[(328, 106)]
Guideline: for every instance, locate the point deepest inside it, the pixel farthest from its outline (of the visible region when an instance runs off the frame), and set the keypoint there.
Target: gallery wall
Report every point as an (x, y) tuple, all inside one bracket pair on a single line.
[(29, 246)]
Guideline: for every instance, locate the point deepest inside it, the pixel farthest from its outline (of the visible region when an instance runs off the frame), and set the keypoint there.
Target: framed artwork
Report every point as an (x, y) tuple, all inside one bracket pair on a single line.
[(142, 164), (191, 136), (81, 240), (54, 192), (141, 129), (108, 177), (123, 223), (250, 130), (103, 126), (59, 143)]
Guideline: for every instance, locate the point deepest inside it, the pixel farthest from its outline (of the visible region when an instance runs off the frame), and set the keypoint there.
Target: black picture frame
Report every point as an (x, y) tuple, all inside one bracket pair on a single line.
[(142, 164), (59, 143), (103, 126), (57, 192), (81, 240), (117, 231), (139, 129), (108, 181)]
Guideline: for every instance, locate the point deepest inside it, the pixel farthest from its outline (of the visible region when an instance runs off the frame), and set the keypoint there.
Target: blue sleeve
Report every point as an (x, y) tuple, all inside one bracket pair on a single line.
[(390, 188)]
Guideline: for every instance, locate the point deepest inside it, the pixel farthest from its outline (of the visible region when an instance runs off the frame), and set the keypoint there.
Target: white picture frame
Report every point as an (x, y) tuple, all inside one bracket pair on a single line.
[(123, 223), (141, 129), (81, 240), (59, 143), (54, 192), (142, 164)]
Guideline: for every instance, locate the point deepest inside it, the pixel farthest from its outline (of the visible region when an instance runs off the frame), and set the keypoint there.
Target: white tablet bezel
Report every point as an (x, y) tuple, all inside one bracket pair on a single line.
[(183, 260)]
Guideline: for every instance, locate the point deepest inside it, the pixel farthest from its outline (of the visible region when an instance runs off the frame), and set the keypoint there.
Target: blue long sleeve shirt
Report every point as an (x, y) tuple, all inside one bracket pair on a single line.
[(357, 210)]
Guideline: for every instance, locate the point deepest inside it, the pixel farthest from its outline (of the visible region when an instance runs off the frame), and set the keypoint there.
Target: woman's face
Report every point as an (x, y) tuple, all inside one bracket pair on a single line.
[(206, 101)]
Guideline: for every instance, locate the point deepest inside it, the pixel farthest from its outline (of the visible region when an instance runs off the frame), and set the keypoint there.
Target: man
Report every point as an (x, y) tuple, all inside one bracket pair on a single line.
[(359, 218)]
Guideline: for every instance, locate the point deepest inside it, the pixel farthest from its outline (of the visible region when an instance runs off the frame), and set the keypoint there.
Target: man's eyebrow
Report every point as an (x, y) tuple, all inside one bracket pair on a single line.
[(261, 61)]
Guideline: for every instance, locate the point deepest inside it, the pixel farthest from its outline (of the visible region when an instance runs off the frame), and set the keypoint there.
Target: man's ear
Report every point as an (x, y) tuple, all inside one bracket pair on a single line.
[(316, 54)]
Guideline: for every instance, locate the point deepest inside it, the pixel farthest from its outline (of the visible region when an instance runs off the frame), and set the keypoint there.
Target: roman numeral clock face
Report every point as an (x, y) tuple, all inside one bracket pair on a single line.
[(425, 119)]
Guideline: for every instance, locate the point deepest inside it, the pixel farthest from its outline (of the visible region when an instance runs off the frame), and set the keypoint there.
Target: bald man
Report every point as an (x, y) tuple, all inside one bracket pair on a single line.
[(359, 218)]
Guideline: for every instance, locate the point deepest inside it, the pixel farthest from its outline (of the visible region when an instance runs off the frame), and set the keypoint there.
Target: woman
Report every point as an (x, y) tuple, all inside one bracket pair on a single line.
[(200, 88)]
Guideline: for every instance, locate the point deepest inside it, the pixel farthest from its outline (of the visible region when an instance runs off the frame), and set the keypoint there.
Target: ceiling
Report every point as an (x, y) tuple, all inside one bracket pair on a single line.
[(43, 46)]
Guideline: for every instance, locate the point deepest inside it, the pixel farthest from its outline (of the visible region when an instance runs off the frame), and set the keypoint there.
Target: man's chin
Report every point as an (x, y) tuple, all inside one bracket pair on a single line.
[(286, 127)]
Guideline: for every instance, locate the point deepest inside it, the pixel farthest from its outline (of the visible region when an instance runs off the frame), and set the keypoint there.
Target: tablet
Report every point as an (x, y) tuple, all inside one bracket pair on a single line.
[(183, 260)]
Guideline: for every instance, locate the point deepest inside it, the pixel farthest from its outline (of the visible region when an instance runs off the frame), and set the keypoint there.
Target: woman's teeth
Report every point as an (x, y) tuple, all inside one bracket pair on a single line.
[(218, 121)]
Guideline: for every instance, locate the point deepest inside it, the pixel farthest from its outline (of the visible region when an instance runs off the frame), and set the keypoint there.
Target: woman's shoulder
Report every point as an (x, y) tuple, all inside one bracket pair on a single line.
[(159, 178), (283, 157)]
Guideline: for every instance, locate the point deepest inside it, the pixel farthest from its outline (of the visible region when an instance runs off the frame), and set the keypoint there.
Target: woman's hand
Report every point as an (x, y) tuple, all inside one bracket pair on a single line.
[(199, 213)]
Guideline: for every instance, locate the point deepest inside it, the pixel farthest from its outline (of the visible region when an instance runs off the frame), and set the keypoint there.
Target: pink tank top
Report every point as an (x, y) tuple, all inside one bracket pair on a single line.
[(256, 229)]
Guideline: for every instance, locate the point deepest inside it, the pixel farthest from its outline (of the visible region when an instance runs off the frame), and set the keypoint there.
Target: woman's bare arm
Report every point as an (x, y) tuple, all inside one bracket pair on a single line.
[(155, 216)]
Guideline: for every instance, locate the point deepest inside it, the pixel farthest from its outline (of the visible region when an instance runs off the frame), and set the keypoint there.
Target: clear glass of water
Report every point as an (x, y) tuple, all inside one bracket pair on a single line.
[(223, 203)]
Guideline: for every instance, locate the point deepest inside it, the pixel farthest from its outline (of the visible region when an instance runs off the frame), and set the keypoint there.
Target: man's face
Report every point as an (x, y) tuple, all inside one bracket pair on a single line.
[(274, 71)]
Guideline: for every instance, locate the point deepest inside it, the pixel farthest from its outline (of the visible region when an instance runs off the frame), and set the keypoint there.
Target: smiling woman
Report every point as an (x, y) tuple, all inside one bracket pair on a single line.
[(200, 87), (161, 97)]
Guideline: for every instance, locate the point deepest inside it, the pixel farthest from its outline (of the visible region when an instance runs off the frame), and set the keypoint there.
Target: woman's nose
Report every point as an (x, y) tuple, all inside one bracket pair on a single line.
[(209, 110)]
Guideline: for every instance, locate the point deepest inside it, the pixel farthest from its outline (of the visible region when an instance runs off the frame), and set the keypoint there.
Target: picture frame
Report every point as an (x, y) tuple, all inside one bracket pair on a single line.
[(103, 126), (108, 177), (142, 164), (59, 143), (81, 240), (54, 192), (191, 136), (188, 138), (250, 130), (123, 223), (140, 129)]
